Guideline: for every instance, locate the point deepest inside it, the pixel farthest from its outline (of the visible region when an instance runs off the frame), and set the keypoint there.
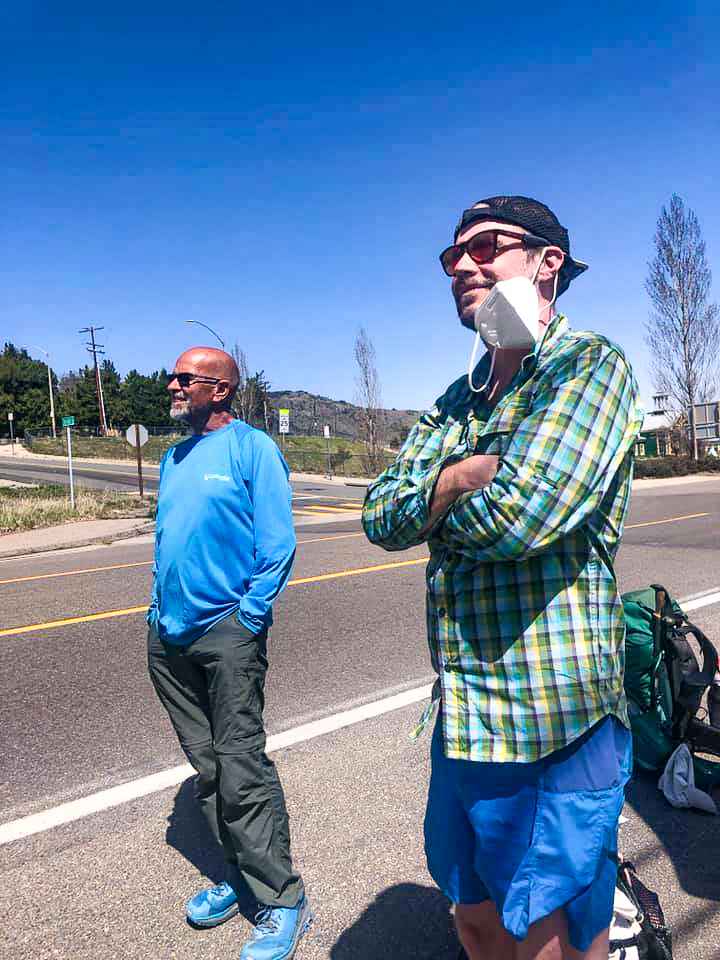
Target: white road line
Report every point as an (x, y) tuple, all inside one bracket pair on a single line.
[(105, 799), (697, 602)]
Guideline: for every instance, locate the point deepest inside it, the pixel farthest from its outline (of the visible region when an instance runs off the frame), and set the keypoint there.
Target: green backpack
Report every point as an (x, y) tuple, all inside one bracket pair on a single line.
[(665, 684)]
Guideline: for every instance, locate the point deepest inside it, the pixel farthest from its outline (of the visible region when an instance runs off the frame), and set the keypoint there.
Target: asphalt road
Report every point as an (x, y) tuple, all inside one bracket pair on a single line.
[(327, 502), (87, 473), (79, 716)]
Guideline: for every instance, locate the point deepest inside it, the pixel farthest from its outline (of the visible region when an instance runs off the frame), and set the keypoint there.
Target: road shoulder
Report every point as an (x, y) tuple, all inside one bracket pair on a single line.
[(77, 533)]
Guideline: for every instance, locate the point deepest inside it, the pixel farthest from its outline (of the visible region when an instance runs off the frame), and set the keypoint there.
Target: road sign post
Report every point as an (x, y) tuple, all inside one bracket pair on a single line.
[(11, 417), (326, 431), (283, 424), (70, 422), (137, 435)]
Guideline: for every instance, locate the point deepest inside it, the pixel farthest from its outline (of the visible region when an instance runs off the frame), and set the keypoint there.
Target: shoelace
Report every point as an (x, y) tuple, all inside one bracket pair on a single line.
[(221, 890), (266, 922)]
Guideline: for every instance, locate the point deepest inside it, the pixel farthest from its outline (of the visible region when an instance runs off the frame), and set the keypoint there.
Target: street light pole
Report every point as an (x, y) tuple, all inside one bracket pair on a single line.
[(222, 342), (50, 389)]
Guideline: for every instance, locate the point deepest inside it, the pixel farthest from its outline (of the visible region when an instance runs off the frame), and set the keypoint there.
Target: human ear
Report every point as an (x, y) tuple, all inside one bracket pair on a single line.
[(552, 260), (222, 389)]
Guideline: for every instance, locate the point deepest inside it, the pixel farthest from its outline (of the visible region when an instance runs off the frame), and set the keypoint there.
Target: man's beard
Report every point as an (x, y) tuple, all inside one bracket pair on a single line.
[(465, 315), (180, 410)]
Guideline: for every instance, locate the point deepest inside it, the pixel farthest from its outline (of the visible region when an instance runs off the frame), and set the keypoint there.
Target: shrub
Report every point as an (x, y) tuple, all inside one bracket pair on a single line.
[(675, 466)]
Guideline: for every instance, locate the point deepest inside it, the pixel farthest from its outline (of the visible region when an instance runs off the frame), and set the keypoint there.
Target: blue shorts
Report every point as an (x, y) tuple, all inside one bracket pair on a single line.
[(532, 837)]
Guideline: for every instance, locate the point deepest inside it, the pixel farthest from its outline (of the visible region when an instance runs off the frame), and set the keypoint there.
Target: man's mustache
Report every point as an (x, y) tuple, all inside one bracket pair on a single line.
[(461, 288)]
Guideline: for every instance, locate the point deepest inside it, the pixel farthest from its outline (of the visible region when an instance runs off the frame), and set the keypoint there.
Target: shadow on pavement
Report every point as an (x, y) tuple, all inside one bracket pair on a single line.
[(405, 922), (690, 838), (190, 835)]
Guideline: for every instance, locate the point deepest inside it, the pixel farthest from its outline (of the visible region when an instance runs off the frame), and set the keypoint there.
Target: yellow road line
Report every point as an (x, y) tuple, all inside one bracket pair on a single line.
[(109, 614), (128, 611), (143, 563), (339, 536), (354, 573), (320, 496), (652, 523), (345, 536), (323, 509), (74, 573)]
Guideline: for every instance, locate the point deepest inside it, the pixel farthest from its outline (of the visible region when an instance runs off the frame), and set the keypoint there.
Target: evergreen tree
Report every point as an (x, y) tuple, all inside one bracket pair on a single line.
[(146, 398), (23, 391), (77, 397), (113, 395)]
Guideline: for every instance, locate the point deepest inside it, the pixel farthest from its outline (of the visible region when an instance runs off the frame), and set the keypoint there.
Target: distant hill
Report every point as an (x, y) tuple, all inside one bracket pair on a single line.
[(309, 413)]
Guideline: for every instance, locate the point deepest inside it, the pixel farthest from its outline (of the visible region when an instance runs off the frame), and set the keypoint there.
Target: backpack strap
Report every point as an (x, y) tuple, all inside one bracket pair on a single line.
[(678, 638), (662, 617), (687, 678)]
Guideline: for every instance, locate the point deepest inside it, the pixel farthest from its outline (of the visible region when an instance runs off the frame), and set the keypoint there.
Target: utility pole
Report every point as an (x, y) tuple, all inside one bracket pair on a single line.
[(95, 349)]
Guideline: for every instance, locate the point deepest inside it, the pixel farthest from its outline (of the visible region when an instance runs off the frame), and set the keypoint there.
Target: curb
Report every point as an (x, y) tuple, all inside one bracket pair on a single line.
[(87, 542), (647, 483)]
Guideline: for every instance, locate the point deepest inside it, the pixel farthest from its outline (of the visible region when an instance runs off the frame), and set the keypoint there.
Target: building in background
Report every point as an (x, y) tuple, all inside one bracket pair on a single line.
[(707, 428), (656, 436)]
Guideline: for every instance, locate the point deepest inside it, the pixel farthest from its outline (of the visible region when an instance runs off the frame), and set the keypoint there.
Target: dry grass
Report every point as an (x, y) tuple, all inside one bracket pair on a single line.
[(25, 508)]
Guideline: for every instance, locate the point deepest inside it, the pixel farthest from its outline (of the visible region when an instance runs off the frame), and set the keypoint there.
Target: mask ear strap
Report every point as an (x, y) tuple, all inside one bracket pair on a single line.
[(471, 370), (555, 284), (554, 297), (539, 264)]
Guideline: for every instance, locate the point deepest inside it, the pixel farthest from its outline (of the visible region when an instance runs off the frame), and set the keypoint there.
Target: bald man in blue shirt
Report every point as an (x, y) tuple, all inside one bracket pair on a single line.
[(224, 548)]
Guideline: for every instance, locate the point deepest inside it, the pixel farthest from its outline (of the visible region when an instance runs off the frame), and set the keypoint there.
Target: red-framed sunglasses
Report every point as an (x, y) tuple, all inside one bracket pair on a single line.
[(482, 248)]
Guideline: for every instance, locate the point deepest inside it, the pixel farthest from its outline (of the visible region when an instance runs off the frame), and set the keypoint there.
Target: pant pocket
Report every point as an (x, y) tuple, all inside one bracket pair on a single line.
[(571, 836)]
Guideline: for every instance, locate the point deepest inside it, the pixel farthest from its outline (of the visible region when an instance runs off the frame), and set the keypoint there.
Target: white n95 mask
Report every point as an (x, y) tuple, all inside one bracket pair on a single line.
[(508, 319)]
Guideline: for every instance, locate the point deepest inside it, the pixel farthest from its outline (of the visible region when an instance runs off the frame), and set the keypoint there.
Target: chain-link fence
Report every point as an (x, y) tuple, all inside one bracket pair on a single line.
[(86, 443), (337, 464)]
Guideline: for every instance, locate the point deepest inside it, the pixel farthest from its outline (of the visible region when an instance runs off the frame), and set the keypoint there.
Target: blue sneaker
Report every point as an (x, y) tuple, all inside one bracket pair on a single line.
[(213, 906), (278, 931)]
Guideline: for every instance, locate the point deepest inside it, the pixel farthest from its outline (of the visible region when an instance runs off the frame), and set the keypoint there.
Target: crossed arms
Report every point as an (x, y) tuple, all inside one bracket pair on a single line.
[(558, 464)]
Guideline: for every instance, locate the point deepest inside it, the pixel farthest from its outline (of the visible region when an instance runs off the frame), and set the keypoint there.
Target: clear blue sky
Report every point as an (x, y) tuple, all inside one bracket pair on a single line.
[(286, 175)]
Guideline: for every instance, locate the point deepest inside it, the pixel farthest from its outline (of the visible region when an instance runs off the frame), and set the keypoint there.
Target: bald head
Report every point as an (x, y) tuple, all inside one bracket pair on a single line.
[(210, 362), (202, 387)]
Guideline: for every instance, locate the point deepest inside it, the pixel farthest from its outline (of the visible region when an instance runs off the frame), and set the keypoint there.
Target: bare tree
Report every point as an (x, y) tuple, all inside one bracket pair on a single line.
[(241, 406), (683, 332), (251, 399), (369, 400)]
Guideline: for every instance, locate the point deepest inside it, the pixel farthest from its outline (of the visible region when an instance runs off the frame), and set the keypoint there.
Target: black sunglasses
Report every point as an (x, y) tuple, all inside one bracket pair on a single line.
[(482, 248), (185, 379)]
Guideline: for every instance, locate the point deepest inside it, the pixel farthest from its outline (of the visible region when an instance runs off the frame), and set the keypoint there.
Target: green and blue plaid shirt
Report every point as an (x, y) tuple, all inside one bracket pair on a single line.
[(525, 624)]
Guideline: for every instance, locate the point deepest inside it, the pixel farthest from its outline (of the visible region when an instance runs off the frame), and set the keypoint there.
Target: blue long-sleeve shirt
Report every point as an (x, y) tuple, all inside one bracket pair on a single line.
[(224, 540)]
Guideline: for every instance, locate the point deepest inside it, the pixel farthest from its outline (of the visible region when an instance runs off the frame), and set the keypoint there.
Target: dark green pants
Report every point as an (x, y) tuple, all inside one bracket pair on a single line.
[(213, 691)]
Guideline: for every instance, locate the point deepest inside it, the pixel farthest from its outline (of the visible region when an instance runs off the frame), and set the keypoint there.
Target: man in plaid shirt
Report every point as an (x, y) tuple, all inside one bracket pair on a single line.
[(519, 481)]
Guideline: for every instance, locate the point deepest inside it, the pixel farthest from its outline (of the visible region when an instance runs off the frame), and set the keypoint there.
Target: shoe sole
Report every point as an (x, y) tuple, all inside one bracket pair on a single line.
[(216, 920)]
